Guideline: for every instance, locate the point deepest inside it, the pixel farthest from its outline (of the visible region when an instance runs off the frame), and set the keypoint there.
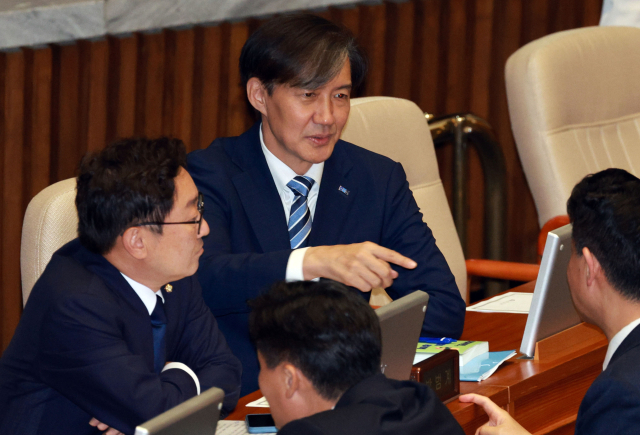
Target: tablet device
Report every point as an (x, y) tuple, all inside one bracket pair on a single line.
[(552, 308), (401, 323), (197, 416)]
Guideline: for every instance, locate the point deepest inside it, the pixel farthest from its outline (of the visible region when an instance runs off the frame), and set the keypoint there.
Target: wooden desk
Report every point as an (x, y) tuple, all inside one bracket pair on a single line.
[(543, 396)]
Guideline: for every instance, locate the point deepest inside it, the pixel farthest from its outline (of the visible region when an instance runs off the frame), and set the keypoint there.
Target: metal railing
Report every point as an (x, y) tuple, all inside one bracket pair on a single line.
[(464, 130)]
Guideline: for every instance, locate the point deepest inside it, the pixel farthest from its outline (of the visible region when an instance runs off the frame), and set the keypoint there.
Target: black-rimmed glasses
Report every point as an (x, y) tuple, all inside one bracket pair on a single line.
[(199, 204)]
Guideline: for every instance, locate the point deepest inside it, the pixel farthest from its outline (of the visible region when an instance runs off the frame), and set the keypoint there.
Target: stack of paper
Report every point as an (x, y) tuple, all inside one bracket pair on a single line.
[(511, 302)]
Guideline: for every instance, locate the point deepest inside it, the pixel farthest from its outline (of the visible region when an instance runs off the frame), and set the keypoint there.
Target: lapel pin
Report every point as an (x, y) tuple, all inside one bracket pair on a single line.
[(168, 288), (343, 190)]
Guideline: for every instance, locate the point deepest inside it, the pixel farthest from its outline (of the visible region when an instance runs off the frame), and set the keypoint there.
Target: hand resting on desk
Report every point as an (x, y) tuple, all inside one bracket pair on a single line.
[(500, 422)]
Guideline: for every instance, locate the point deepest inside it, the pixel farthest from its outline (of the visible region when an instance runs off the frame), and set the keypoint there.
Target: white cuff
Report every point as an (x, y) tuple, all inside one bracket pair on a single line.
[(294, 265), (179, 365)]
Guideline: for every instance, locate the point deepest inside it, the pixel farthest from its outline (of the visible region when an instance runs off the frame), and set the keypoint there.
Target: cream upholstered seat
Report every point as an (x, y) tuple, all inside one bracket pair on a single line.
[(51, 221), (574, 103), (398, 129)]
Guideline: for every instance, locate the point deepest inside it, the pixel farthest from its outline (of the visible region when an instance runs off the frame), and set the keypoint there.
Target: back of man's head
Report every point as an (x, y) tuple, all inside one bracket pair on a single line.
[(604, 209), (300, 50), (129, 182), (325, 330)]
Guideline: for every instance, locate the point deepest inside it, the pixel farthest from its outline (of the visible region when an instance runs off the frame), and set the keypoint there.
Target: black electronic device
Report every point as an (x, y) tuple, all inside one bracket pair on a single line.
[(260, 423)]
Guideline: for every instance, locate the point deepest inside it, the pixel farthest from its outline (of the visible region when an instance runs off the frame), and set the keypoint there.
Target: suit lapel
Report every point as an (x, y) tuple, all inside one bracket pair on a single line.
[(258, 193), (336, 197), (114, 280)]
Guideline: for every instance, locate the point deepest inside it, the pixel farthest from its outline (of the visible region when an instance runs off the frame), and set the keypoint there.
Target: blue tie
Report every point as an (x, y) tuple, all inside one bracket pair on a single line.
[(300, 216), (159, 325)]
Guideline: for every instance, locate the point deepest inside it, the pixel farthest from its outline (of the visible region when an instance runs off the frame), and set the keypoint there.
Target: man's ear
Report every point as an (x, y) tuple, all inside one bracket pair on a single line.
[(135, 243), (291, 378), (594, 270), (257, 93)]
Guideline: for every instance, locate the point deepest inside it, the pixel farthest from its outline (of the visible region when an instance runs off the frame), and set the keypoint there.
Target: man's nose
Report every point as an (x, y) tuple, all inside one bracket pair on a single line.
[(204, 228), (324, 112)]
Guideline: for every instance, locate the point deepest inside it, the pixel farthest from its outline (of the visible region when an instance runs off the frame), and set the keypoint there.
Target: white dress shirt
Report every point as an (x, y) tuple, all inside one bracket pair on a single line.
[(282, 174), (617, 340), (148, 298)]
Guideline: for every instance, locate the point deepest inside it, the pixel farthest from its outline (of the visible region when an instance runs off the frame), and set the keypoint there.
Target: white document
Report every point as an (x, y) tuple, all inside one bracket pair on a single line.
[(231, 427), (260, 403), (234, 427), (511, 302)]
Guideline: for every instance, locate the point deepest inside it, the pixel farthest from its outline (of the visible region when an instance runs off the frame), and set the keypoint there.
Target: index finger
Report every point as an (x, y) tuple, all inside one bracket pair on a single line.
[(391, 256), (492, 410)]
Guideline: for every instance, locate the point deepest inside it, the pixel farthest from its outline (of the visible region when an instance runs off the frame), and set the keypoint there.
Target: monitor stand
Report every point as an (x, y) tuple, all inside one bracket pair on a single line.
[(571, 340)]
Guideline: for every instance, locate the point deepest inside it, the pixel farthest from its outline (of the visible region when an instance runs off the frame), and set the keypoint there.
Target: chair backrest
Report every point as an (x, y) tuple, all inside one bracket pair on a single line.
[(51, 221), (398, 129), (574, 103)]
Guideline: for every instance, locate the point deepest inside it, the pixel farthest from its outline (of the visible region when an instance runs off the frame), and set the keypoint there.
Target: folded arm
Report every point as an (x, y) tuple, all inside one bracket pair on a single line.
[(90, 354)]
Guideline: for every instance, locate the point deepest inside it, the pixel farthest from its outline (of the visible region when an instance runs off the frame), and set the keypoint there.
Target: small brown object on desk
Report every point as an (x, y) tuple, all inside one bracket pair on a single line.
[(542, 395), (441, 372)]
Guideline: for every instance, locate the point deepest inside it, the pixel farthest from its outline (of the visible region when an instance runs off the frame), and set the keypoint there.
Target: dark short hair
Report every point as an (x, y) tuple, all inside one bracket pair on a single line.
[(324, 329), (129, 182), (605, 211), (300, 50)]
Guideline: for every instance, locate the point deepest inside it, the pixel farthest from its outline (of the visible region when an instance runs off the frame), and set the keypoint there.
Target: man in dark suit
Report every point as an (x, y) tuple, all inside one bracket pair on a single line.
[(604, 278), (289, 200), (115, 330), (319, 346)]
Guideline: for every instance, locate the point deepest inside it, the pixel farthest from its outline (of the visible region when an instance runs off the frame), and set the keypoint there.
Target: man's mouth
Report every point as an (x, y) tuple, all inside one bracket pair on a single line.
[(320, 139)]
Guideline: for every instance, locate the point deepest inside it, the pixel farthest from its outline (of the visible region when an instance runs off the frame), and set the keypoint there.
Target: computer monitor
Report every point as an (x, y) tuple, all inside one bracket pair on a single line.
[(552, 309), (401, 323), (197, 416)]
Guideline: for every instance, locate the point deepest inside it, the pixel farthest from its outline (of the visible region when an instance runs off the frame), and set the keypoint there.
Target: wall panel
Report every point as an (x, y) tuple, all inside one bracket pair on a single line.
[(448, 56), (13, 188)]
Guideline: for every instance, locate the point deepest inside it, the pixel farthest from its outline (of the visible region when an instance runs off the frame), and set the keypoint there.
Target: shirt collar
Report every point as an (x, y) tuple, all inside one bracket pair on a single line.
[(617, 340), (282, 173), (146, 295)]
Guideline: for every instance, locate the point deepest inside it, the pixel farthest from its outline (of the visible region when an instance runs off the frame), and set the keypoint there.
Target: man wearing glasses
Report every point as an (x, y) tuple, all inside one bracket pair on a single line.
[(115, 330)]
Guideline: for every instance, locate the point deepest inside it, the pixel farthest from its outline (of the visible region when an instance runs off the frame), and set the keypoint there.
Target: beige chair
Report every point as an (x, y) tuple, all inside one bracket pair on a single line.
[(574, 103), (398, 129), (50, 222)]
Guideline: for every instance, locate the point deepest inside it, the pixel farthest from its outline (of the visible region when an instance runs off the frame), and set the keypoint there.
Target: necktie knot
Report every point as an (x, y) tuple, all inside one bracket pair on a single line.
[(158, 316), (301, 185)]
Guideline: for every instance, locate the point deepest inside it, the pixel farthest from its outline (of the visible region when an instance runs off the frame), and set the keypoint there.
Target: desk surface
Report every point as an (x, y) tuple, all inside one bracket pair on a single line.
[(543, 396)]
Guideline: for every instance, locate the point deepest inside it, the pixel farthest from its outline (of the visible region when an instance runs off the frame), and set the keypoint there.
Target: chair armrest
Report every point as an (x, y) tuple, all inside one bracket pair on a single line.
[(502, 270), (552, 224)]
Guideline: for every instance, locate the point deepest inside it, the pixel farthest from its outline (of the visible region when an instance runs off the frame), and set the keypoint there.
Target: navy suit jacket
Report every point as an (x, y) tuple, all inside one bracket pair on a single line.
[(612, 402), (84, 348), (381, 406), (248, 246)]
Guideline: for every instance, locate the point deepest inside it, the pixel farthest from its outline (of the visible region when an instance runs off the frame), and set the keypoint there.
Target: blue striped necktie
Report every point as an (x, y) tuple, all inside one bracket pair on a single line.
[(300, 216), (158, 326)]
